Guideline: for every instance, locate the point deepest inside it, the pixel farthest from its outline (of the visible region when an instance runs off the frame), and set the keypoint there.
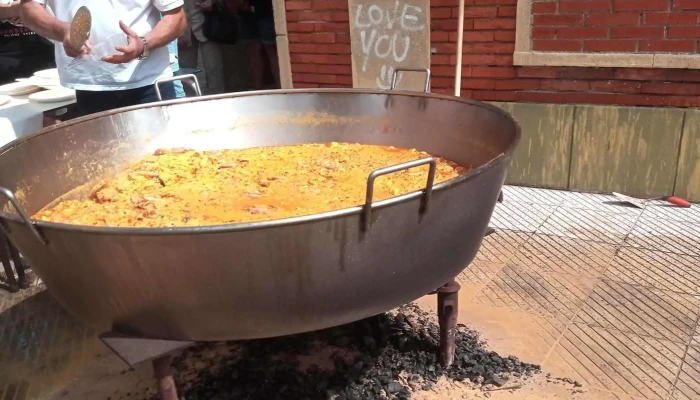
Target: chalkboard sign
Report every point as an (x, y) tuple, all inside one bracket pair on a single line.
[(389, 34)]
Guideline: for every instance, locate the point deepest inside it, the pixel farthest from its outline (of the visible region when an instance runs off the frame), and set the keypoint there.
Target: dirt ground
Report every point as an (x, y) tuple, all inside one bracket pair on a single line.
[(105, 376)]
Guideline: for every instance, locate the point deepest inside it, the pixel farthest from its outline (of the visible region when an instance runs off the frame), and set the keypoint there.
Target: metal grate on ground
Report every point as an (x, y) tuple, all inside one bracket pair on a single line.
[(594, 290), (41, 345)]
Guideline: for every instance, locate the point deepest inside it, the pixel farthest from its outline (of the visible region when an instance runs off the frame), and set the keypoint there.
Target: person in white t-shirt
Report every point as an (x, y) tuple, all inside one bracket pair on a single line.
[(125, 76)]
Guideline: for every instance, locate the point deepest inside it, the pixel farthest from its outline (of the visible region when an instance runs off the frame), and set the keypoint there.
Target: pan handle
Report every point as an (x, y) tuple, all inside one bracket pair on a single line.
[(23, 214), (195, 83), (395, 75), (367, 208)]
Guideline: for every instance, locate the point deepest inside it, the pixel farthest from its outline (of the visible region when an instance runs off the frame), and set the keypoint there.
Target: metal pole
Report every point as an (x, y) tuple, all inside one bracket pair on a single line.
[(448, 310), (460, 38), (5, 257)]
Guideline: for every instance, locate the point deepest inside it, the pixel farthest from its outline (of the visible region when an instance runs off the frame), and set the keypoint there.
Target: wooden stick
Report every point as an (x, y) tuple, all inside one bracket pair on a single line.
[(460, 38)]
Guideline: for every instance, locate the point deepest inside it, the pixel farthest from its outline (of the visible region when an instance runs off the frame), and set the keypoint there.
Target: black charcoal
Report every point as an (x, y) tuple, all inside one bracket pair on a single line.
[(384, 357)]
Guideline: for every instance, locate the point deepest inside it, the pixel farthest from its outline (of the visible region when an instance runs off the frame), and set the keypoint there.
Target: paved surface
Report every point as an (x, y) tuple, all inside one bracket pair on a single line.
[(41, 346), (591, 289)]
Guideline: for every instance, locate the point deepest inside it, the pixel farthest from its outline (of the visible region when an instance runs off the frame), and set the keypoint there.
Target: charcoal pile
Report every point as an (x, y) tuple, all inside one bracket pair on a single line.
[(388, 356)]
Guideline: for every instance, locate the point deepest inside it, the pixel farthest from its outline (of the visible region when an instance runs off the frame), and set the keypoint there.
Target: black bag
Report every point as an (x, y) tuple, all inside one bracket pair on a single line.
[(220, 24)]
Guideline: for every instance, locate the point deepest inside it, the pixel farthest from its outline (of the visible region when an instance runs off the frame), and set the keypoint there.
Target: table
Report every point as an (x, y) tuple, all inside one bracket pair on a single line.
[(21, 117)]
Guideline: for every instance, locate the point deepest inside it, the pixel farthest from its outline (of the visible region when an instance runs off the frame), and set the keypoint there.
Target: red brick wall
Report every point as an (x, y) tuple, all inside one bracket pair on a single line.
[(320, 55), (630, 26), (319, 43)]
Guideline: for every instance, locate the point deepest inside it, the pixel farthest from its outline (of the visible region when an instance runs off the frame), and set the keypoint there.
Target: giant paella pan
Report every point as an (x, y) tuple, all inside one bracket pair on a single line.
[(269, 275)]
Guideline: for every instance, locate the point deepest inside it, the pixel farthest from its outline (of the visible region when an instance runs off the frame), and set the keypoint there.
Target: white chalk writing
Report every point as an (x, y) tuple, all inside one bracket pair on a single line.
[(386, 35), (386, 76)]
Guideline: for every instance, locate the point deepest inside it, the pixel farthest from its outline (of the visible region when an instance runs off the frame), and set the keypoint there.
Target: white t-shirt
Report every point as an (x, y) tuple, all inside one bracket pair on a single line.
[(96, 75)]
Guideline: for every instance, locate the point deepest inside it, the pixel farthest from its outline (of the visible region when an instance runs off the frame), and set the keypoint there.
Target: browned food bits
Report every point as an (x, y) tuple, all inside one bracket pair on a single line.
[(182, 187)]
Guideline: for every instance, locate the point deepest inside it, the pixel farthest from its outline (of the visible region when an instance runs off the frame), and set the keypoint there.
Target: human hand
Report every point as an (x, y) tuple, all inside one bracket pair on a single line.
[(184, 41), (10, 12), (133, 49), (68, 47)]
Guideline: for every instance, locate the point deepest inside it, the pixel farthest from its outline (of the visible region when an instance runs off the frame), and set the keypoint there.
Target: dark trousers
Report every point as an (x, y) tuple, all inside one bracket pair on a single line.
[(90, 102)]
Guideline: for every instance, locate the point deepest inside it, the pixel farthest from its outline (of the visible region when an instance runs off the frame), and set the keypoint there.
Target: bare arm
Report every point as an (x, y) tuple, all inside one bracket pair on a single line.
[(35, 17), (169, 28), (166, 30)]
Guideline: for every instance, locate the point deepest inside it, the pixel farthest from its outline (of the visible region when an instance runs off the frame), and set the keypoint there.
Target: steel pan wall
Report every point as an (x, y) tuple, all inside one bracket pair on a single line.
[(258, 280)]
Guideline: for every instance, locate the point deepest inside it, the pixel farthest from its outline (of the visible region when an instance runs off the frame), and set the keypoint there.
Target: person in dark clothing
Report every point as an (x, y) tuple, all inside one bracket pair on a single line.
[(258, 32), (22, 52)]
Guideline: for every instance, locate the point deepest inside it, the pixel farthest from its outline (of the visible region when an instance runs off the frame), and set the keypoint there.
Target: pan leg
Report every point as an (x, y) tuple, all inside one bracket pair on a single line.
[(164, 376), (448, 296), (134, 350), (5, 260), (500, 197), (19, 266)]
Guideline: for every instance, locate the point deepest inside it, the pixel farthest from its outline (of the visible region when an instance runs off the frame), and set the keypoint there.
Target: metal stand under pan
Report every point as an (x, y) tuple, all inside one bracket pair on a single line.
[(9, 256), (135, 350)]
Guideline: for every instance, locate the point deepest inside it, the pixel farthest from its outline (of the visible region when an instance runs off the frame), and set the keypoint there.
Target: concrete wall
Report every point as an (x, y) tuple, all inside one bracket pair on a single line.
[(645, 152)]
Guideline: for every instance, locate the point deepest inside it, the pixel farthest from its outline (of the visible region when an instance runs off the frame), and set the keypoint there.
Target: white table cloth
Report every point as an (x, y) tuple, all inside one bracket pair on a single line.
[(22, 117)]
